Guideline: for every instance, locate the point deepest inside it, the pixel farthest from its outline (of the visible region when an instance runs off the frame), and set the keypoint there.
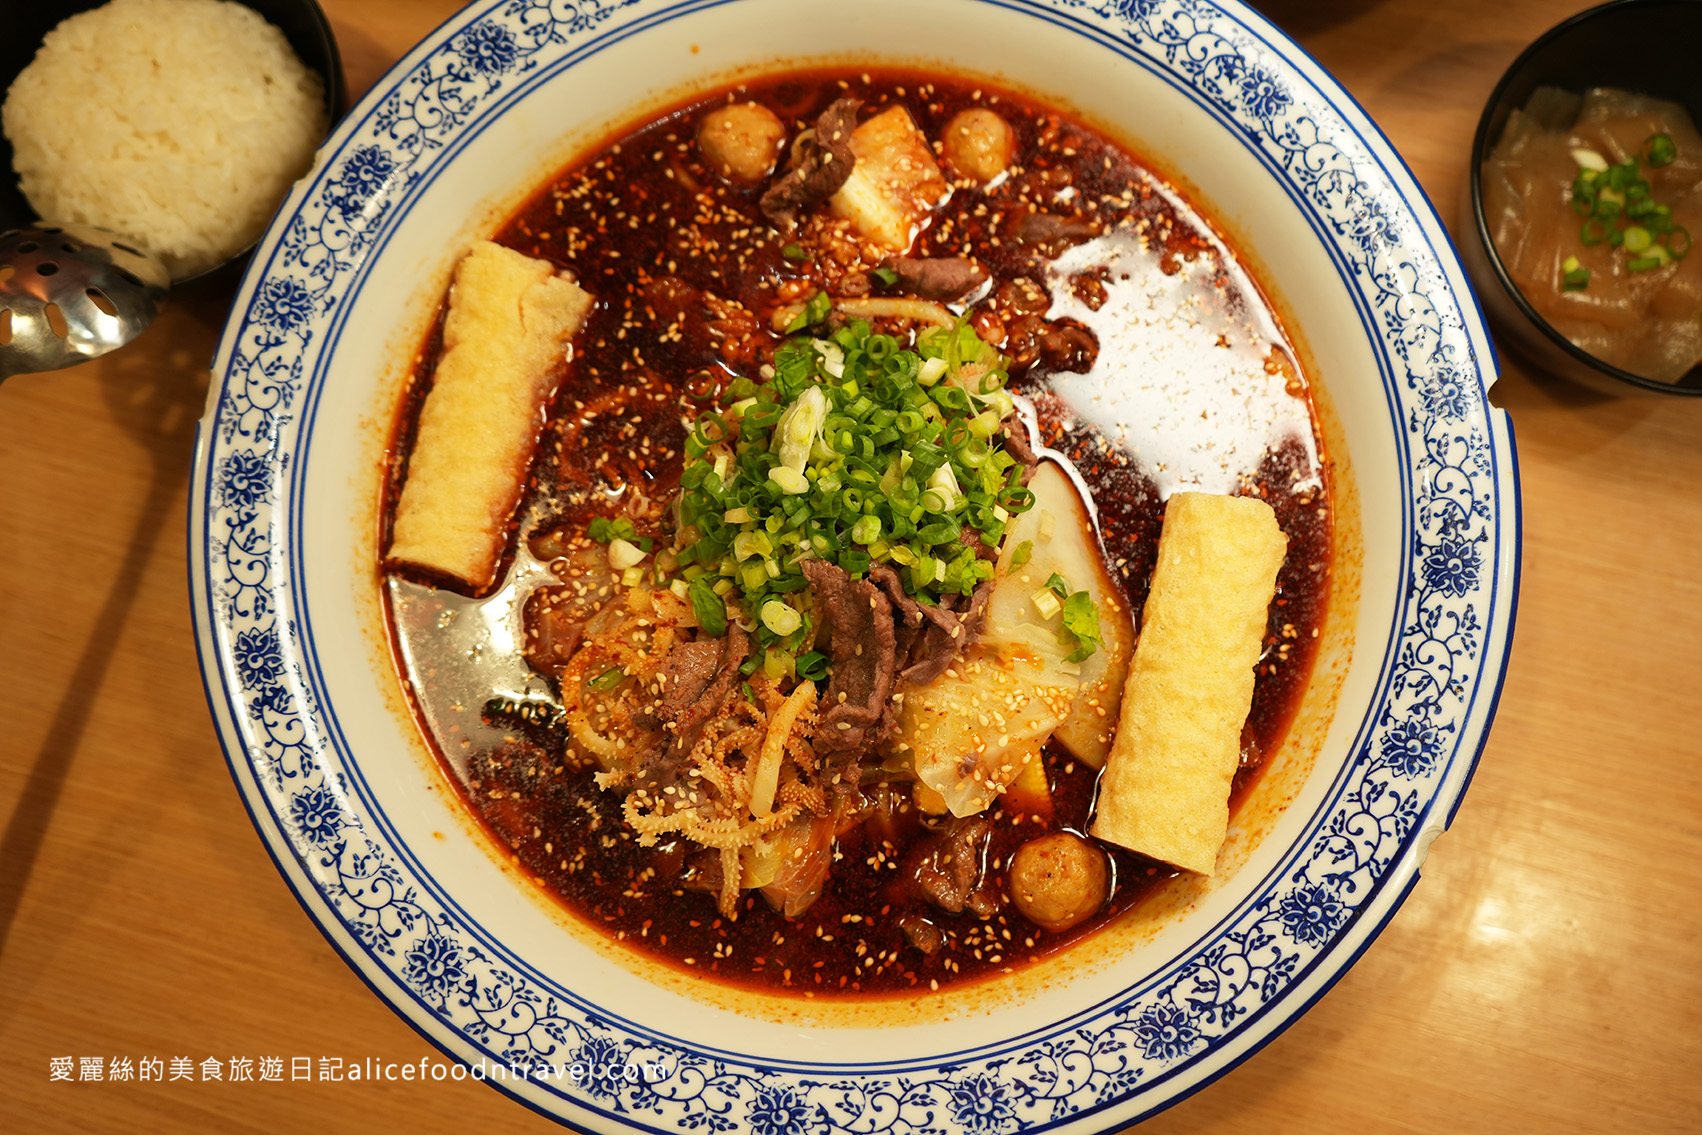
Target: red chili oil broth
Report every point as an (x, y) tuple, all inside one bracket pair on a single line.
[(1193, 385)]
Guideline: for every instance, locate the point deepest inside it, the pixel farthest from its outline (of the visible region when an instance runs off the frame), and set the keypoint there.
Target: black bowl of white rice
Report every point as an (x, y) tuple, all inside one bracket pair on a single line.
[(177, 124)]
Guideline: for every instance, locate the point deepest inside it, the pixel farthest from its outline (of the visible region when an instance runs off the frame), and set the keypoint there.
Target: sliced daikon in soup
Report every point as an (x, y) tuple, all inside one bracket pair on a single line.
[(1060, 533)]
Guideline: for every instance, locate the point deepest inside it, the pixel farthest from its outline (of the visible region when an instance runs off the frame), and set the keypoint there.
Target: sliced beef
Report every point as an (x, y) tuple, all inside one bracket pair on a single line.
[(1060, 345), (924, 935), (1051, 234), (928, 636), (1065, 345), (696, 678), (702, 872), (686, 673), (939, 277), (824, 162), (856, 619), (1015, 433), (971, 538), (554, 625), (947, 629), (907, 617), (936, 648), (975, 612), (949, 868)]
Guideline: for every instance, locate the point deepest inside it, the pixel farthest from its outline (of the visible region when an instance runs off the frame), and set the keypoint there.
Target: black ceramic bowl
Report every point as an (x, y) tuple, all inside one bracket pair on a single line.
[(301, 21), (1653, 47)]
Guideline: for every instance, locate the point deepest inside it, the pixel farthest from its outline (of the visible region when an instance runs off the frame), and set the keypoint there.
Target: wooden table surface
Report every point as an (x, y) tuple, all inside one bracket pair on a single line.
[(1545, 975)]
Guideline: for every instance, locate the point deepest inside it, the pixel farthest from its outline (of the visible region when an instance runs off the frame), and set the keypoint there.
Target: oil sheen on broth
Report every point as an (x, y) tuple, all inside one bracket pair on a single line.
[(1153, 363)]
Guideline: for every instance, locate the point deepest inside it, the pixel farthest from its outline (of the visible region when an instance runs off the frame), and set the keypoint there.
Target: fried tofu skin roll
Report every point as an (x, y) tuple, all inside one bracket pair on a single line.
[(1165, 788), (510, 318)]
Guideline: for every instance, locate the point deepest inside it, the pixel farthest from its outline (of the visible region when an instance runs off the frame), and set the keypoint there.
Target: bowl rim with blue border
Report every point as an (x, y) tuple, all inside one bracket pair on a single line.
[(316, 733)]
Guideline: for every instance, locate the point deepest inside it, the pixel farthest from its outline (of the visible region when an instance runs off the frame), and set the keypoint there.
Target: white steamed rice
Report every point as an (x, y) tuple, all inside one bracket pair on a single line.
[(178, 123)]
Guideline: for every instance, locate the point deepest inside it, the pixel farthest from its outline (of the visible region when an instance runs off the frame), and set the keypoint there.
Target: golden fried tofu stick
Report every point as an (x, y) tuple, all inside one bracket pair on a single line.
[(509, 320), (1165, 788)]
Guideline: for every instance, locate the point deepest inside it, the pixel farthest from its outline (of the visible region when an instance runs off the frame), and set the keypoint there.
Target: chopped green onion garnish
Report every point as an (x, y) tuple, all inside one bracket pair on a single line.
[(885, 277), (798, 429), (1589, 161), (845, 453), (607, 680), (790, 481), (781, 618), (624, 554), (815, 310), (1619, 211), (793, 252)]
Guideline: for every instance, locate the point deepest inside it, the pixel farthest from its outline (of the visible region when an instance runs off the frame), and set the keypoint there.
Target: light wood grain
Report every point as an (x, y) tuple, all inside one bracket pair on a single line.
[(1543, 977)]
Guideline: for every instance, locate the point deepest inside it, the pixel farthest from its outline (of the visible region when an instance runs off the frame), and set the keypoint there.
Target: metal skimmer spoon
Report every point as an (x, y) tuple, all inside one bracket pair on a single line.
[(69, 293)]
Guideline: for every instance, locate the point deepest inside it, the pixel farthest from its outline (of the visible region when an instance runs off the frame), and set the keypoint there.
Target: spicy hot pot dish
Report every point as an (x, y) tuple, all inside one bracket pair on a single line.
[(857, 532)]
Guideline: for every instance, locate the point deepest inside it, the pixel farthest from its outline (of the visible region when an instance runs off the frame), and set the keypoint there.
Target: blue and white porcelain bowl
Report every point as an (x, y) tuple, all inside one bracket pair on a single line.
[(375, 843)]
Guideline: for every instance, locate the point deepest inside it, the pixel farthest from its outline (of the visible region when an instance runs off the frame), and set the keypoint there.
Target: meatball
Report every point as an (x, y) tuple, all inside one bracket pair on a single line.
[(741, 141), (978, 144), (1058, 880)]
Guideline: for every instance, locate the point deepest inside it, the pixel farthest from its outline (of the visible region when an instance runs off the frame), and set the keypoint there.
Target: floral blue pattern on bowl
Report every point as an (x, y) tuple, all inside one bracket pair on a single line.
[(1285, 941)]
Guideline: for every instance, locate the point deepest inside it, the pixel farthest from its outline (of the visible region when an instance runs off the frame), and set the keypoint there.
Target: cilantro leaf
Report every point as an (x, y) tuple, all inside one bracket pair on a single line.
[(710, 609), (1081, 621), (603, 530)]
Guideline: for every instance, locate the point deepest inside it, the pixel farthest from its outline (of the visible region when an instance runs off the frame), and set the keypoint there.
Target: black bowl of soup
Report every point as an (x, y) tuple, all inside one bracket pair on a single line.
[(1577, 240)]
